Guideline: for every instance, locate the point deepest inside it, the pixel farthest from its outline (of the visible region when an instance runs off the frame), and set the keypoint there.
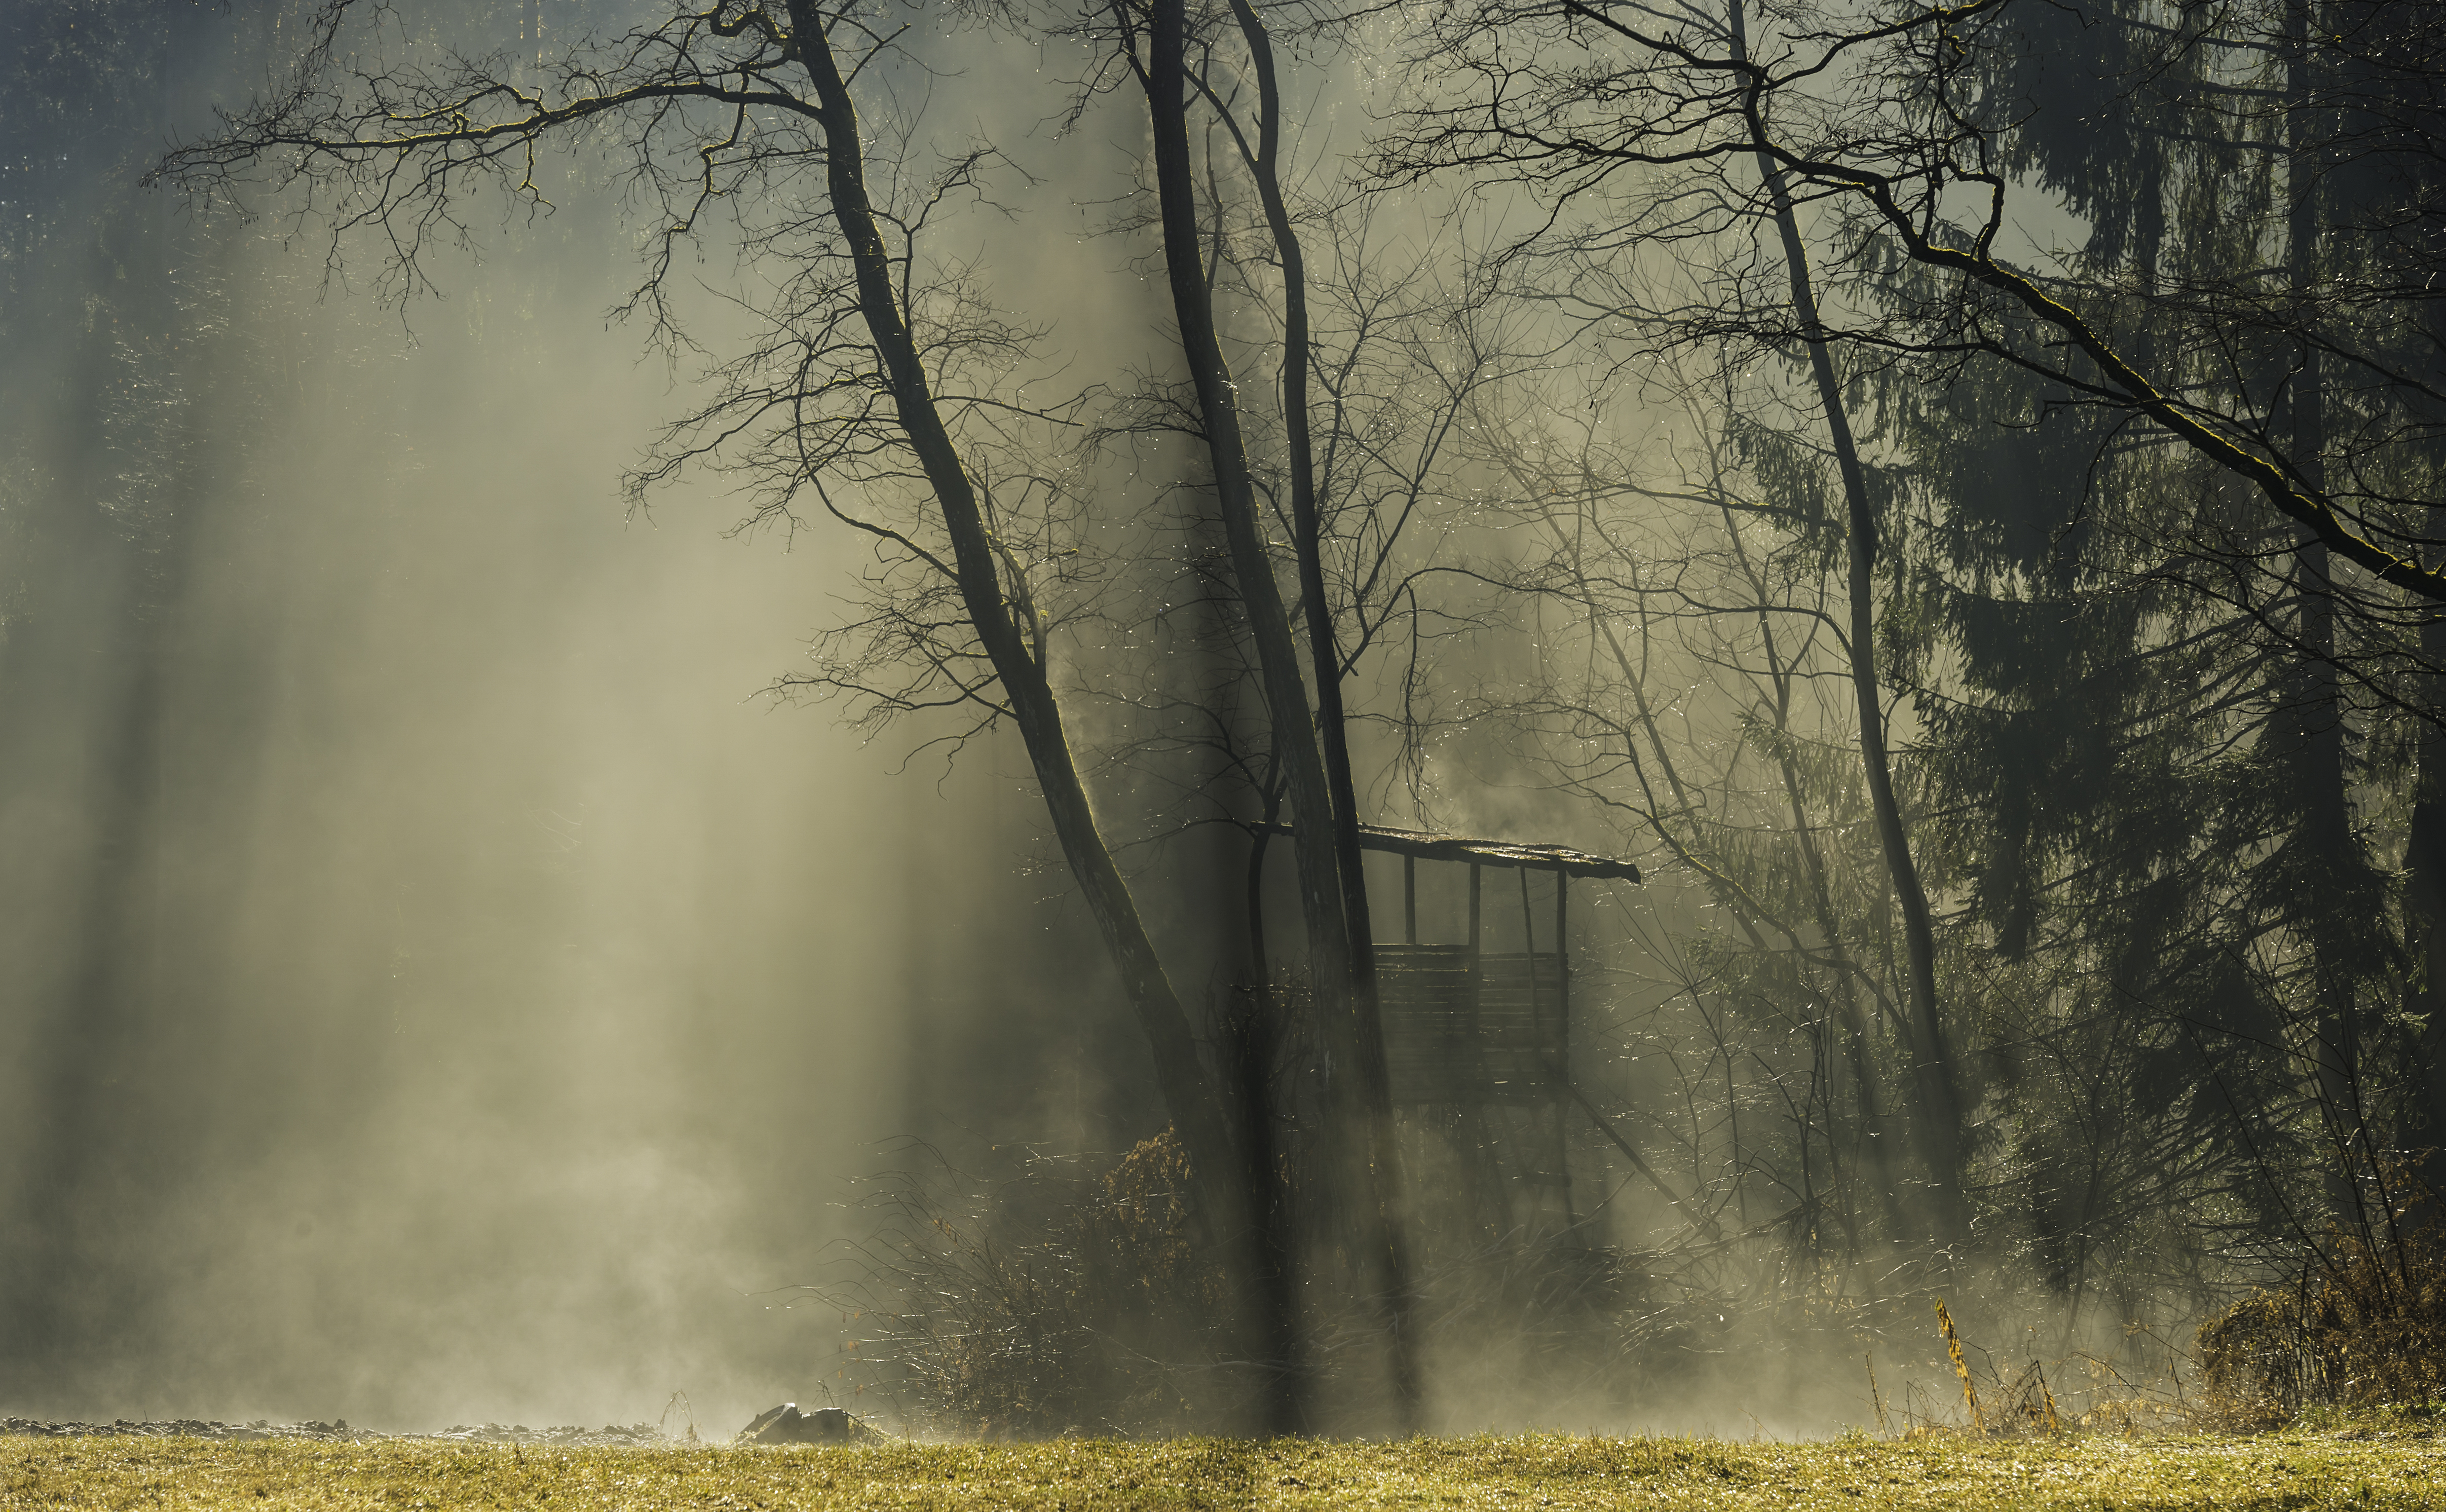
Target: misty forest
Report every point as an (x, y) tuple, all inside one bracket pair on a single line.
[(1223, 716)]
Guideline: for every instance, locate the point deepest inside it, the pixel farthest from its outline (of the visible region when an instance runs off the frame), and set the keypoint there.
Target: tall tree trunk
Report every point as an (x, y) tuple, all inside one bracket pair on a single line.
[(1273, 1224), (1188, 1093), (2424, 912), (2425, 883), (1326, 884), (1251, 1037), (2315, 710), (1308, 531), (1325, 661), (1939, 1122), (1325, 650)]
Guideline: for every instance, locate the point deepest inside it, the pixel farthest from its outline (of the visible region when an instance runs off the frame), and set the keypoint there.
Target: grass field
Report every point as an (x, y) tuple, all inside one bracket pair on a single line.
[(2094, 1474)]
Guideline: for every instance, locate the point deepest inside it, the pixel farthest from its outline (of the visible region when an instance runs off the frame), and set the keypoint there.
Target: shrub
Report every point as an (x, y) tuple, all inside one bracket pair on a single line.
[(1069, 1297), (2362, 1326)]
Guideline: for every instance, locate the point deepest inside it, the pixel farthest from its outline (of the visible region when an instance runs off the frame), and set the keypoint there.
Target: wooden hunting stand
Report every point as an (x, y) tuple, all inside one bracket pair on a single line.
[(1478, 1042)]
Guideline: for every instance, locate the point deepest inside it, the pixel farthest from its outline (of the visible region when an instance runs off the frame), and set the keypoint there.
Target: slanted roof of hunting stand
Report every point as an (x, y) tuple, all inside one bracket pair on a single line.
[(1433, 845)]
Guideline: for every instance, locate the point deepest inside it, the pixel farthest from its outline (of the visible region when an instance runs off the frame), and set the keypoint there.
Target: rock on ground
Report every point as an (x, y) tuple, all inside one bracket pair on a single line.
[(787, 1425)]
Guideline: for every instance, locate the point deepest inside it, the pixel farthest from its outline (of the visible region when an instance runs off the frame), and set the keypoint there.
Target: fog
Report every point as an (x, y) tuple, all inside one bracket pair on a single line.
[(441, 986), (454, 973)]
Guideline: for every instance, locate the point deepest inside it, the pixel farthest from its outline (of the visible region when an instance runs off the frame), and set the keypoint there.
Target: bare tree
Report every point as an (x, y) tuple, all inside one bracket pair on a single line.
[(744, 109)]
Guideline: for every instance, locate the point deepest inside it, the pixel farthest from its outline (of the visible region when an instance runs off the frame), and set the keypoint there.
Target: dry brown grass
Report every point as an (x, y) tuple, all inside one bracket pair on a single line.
[(2284, 1471)]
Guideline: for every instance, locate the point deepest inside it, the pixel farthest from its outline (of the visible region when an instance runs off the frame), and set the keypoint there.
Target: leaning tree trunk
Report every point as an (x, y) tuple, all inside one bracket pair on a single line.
[(1187, 1092), (1332, 725)]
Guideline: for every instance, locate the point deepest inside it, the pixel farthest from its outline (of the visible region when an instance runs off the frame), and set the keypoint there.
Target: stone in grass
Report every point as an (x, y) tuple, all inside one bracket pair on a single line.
[(787, 1425)]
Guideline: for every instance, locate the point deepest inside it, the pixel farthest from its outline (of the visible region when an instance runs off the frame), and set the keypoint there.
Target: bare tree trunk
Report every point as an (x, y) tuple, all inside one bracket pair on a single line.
[(2424, 910), (1252, 1038), (1325, 659), (1187, 1090), (1256, 1037), (1939, 1123), (1324, 653), (1326, 884), (2316, 710)]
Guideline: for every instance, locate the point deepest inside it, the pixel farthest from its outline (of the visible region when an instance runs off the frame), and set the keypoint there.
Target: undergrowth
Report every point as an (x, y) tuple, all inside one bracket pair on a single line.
[(2359, 1329), (1067, 1295), (1073, 1295)]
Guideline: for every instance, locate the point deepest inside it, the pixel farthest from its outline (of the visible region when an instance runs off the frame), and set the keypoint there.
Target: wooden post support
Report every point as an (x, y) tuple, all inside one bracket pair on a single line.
[(1563, 953), (1563, 1033), (1410, 899), (1528, 949), (1472, 915)]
